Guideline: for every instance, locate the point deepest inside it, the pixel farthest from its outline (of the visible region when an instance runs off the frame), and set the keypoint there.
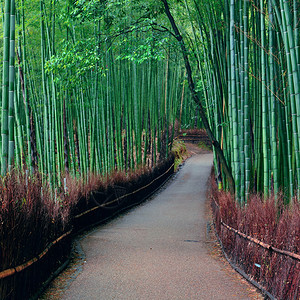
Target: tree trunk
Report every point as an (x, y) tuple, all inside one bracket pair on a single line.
[(195, 97)]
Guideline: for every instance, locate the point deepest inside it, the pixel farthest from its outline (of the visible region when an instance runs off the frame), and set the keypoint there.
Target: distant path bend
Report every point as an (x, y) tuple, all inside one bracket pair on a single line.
[(159, 250)]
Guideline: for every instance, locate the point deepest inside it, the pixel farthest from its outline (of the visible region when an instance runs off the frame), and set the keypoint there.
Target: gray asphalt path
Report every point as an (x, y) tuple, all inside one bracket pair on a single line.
[(159, 250)]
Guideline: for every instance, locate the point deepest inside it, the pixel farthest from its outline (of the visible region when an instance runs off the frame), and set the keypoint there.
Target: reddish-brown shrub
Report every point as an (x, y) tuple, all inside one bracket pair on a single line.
[(32, 215), (30, 218), (268, 221)]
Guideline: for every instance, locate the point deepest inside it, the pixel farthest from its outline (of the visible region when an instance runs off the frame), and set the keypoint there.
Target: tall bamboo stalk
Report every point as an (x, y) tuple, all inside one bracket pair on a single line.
[(5, 87)]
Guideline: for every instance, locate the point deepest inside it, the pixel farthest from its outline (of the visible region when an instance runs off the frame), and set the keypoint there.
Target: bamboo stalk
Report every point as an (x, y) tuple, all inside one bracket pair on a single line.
[(5, 88)]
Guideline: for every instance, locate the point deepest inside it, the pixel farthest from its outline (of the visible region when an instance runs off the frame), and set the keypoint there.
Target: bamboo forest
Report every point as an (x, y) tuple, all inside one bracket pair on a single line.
[(96, 96)]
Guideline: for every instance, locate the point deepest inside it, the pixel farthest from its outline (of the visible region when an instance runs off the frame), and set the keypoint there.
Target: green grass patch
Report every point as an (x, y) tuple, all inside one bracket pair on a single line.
[(180, 152)]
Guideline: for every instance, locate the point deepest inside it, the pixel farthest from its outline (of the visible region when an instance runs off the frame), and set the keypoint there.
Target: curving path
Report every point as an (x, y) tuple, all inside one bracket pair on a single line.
[(159, 250)]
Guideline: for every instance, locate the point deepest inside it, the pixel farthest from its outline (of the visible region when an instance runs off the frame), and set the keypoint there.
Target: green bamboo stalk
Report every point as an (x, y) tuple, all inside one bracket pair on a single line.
[(288, 128), (296, 30), (47, 121), (24, 88), (287, 24), (264, 104), (11, 142), (247, 147), (240, 73), (272, 75), (5, 88), (234, 101)]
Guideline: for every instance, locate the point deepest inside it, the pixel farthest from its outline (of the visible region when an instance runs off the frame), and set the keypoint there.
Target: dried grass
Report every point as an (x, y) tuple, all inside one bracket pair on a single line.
[(32, 216), (271, 222)]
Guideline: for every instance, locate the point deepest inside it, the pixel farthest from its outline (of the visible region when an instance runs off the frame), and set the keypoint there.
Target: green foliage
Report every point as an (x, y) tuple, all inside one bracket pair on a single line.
[(180, 153), (82, 10), (145, 49), (74, 61)]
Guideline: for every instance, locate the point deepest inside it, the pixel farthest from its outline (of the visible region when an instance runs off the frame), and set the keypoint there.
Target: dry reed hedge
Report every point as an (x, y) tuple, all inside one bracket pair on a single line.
[(32, 216), (271, 222)]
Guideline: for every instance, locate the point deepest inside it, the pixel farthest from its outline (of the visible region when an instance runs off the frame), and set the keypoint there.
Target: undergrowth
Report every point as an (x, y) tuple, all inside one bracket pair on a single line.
[(30, 218), (271, 222), (179, 151), (205, 146)]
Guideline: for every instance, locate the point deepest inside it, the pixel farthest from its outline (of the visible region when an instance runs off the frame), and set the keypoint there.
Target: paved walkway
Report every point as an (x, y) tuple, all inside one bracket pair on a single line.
[(160, 250)]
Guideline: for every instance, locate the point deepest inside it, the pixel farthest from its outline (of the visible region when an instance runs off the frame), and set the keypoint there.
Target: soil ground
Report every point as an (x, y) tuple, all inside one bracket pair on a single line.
[(162, 249)]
